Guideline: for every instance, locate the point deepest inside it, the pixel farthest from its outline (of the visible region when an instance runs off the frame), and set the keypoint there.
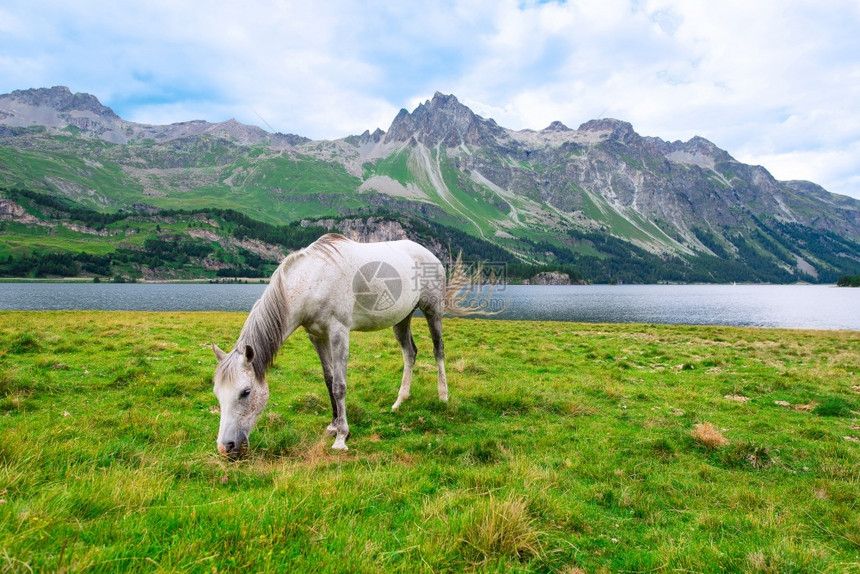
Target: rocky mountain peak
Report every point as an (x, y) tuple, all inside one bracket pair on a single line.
[(698, 147), (443, 100), (62, 99), (238, 131), (698, 143), (618, 128), (557, 126), (58, 109), (365, 138), (442, 120)]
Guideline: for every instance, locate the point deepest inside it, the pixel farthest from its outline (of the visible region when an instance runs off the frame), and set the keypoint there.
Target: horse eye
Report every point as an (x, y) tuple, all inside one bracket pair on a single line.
[(245, 393)]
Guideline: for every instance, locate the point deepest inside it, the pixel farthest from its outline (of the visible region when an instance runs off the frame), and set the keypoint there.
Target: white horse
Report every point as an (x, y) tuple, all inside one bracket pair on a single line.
[(330, 288)]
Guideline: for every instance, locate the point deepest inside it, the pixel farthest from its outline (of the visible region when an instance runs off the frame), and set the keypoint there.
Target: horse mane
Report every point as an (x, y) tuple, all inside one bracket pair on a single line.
[(327, 246), (264, 328)]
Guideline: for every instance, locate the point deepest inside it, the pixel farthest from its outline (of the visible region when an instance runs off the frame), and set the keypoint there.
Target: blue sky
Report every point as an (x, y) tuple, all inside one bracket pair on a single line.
[(775, 83)]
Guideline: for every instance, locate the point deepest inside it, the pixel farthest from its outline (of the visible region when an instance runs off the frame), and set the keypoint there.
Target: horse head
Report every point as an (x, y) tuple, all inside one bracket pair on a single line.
[(242, 396)]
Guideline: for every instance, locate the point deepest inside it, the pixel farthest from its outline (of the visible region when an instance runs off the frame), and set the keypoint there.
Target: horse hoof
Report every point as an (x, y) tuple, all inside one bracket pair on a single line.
[(339, 445)]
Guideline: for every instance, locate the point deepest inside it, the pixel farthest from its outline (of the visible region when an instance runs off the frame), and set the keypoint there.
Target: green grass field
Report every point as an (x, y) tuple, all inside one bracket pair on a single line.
[(565, 447)]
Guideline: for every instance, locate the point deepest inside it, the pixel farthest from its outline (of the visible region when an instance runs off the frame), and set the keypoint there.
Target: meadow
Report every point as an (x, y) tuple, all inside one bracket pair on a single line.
[(565, 447)]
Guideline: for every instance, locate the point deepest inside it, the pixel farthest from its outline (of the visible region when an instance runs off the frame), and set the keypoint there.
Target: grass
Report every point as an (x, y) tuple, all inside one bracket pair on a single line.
[(273, 189), (565, 447), (396, 166), (68, 169)]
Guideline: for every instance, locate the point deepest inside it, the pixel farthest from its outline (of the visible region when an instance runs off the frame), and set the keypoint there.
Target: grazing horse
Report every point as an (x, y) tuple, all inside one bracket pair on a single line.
[(330, 288)]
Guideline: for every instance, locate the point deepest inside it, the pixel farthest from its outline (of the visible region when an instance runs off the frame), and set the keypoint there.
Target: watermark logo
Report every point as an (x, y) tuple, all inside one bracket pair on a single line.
[(479, 287), (377, 286), (476, 287), (484, 274)]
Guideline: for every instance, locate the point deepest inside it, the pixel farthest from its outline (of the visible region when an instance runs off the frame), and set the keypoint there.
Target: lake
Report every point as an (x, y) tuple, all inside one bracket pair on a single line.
[(787, 306)]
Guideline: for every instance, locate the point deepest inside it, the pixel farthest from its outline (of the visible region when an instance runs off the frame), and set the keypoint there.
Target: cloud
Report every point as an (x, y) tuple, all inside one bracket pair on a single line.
[(769, 81), (775, 82)]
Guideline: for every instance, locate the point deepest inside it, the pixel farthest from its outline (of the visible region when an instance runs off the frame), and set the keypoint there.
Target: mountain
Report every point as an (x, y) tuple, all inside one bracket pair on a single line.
[(599, 202), (59, 111)]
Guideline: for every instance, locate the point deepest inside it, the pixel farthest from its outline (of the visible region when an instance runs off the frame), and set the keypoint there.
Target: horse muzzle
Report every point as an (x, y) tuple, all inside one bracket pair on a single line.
[(234, 449)]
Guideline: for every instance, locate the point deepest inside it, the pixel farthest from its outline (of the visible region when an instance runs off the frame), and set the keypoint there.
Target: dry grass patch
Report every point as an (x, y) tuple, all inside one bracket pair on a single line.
[(577, 409), (320, 454), (501, 527), (806, 408), (709, 435)]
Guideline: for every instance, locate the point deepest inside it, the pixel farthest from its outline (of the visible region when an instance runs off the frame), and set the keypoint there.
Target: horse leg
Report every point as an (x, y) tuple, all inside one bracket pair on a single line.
[(434, 313), (324, 354), (403, 334), (339, 348)]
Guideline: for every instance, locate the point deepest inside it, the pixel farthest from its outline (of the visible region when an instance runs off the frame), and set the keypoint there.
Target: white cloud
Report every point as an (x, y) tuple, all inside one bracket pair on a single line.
[(776, 82)]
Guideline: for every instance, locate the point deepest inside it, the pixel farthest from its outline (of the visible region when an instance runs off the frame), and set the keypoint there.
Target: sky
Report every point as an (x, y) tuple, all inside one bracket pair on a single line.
[(773, 82)]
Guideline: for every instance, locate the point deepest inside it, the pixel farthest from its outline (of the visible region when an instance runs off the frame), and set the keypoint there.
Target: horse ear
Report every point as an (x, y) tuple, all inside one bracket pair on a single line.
[(249, 353), (219, 354)]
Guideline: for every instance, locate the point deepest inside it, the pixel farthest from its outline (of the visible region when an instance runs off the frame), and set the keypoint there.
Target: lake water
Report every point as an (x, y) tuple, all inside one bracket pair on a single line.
[(789, 306)]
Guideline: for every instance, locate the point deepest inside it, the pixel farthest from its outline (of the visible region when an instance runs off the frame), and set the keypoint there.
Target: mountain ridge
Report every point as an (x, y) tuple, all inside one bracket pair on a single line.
[(554, 187), (33, 107)]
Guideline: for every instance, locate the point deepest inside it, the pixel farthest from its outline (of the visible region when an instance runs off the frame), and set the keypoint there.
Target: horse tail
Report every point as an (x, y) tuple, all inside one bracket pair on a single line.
[(470, 291)]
